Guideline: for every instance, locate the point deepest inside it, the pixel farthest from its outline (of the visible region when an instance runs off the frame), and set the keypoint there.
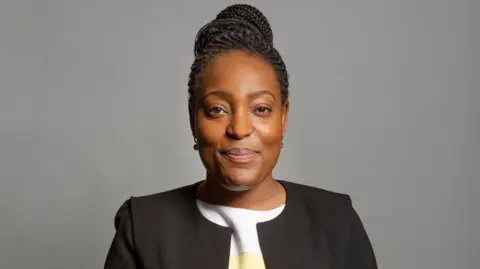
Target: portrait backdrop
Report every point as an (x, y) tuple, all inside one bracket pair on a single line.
[(385, 106)]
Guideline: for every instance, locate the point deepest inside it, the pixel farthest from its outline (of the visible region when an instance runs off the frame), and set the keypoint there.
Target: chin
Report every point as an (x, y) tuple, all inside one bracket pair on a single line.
[(240, 180)]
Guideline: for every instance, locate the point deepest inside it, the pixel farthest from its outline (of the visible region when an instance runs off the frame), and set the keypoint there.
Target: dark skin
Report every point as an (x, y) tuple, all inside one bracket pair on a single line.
[(240, 106)]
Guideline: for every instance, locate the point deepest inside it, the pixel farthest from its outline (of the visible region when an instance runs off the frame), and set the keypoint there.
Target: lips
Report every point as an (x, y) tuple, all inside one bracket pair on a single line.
[(240, 155)]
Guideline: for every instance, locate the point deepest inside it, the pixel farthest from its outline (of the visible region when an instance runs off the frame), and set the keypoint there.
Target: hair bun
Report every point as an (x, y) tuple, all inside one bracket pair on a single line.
[(251, 15)]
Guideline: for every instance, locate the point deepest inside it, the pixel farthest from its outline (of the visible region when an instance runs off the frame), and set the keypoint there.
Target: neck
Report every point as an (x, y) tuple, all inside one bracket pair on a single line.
[(268, 194)]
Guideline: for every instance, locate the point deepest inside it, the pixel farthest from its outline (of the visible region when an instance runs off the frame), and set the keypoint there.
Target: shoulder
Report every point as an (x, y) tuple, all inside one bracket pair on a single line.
[(311, 195), (334, 213), (166, 205), (317, 203)]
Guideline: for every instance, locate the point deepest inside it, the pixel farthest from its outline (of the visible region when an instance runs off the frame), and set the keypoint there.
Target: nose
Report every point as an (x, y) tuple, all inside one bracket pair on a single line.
[(240, 124)]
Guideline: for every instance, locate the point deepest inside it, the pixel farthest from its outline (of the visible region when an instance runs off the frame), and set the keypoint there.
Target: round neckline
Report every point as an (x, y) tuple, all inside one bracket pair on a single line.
[(223, 215), (240, 209), (282, 215)]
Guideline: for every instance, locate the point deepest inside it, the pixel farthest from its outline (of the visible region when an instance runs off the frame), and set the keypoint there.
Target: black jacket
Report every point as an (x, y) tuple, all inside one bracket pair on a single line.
[(317, 229)]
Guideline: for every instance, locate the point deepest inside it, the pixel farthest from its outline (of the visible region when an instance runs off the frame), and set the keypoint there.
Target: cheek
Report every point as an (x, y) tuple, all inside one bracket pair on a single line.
[(210, 132), (270, 132)]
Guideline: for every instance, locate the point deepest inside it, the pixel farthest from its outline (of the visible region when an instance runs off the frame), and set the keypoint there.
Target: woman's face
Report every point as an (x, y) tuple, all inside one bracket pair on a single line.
[(239, 120)]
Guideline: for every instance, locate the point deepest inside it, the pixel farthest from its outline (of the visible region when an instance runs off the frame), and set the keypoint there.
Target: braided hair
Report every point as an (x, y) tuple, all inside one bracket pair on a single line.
[(237, 27)]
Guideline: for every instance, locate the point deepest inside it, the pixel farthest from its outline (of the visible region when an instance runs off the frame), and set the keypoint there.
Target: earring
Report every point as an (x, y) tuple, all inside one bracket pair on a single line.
[(195, 144), (281, 143)]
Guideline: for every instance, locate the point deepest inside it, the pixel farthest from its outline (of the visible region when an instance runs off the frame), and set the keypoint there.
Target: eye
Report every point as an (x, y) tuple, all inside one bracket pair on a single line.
[(262, 110), (215, 111)]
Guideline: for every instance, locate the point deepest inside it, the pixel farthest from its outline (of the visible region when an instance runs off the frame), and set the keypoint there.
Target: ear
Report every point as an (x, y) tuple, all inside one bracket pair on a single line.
[(285, 111)]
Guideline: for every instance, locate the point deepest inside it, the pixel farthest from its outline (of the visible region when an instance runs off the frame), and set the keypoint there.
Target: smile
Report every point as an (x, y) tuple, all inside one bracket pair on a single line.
[(239, 155)]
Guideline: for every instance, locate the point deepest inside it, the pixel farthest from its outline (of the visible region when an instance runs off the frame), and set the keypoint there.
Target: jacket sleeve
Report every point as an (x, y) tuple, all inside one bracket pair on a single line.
[(360, 250), (121, 252)]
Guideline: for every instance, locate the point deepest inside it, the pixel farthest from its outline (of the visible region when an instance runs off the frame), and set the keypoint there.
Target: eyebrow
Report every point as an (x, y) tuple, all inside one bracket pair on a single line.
[(227, 95)]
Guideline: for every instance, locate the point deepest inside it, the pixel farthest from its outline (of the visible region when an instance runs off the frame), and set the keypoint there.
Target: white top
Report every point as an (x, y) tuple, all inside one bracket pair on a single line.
[(245, 249)]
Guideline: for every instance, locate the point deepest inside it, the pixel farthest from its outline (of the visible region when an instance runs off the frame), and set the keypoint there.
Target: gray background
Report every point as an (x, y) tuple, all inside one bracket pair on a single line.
[(385, 107)]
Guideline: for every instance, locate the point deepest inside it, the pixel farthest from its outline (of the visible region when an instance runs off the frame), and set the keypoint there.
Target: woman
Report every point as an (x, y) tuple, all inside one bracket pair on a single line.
[(239, 216)]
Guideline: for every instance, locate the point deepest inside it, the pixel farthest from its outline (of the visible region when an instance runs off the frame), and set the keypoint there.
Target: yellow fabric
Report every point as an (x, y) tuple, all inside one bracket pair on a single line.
[(246, 261)]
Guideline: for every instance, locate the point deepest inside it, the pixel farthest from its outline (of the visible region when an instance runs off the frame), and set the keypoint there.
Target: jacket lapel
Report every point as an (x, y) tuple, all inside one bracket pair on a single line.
[(213, 247), (209, 247), (288, 241)]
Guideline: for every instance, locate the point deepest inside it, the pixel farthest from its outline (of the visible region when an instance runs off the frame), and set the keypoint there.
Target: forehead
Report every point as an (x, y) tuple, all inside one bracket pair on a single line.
[(239, 72)]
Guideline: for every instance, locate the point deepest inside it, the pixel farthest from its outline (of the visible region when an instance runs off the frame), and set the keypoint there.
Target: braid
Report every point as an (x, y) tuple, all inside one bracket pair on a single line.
[(250, 14), (237, 27)]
